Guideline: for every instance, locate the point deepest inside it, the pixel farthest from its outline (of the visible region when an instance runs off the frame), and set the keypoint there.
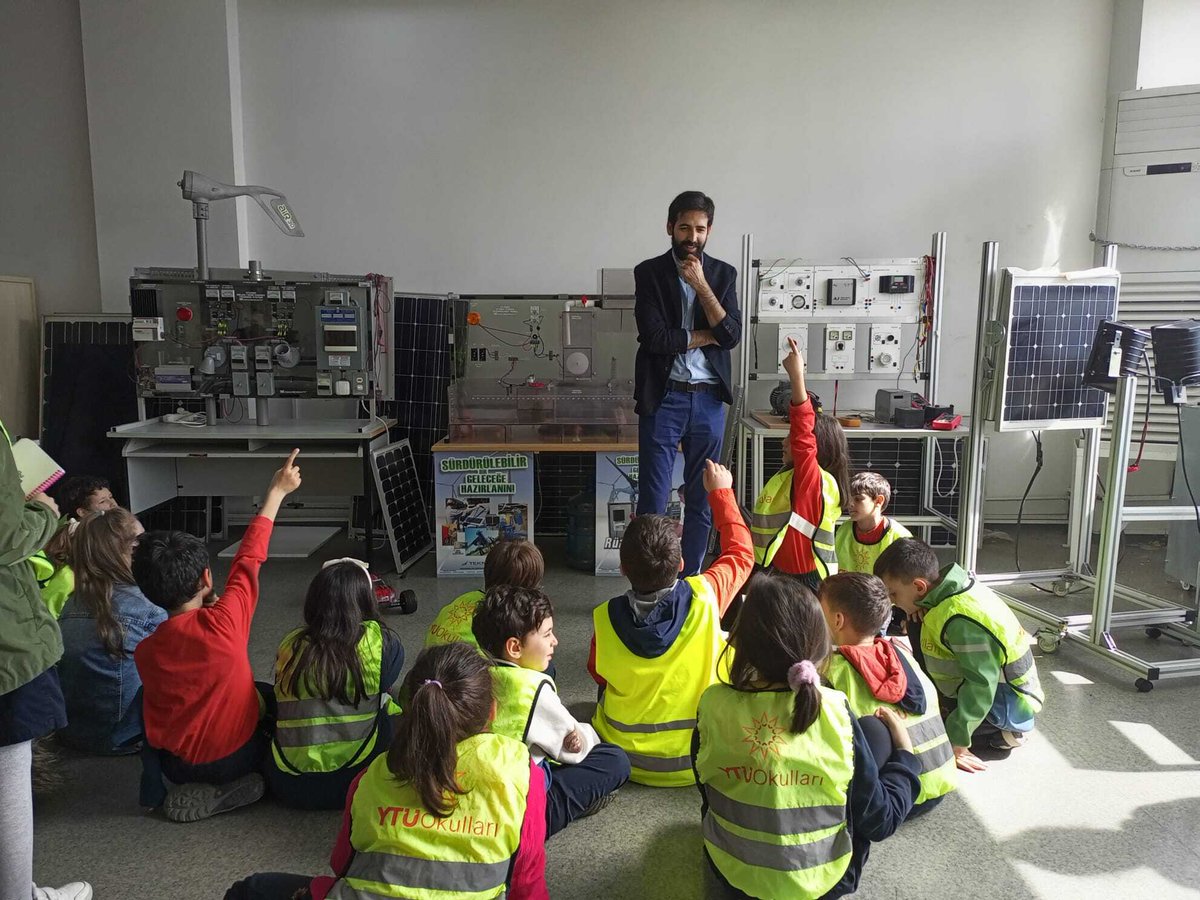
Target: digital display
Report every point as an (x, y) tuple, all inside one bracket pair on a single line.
[(340, 337)]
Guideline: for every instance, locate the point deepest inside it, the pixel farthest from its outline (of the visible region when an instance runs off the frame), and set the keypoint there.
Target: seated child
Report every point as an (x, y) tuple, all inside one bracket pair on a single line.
[(970, 644), (780, 756), (102, 624), (450, 810), (794, 517), (868, 532), (199, 702), (518, 563), (516, 626), (655, 649), (873, 672), (332, 676), (78, 496)]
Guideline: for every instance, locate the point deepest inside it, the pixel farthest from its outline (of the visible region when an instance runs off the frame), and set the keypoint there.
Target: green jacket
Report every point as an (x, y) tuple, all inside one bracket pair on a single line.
[(30, 642), (976, 651)]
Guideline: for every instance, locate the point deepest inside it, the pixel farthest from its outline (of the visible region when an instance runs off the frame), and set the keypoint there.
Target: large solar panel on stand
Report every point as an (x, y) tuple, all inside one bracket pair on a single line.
[(1049, 325), (404, 512)]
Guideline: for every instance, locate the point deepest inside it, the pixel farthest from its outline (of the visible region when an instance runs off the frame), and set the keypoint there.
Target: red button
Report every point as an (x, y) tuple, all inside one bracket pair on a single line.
[(183, 314)]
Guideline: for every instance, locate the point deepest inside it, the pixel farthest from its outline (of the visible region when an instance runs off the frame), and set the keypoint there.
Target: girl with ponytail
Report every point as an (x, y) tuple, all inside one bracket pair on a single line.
[(449, 808), (103, 620), (772, 737)]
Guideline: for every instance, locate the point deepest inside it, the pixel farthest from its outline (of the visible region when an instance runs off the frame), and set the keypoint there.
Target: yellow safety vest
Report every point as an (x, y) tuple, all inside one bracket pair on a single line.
[(855, 556), (979, 604), (516, 691), (453, 621), (403, 850), (773, 517), (57, 583), (776, 823), (315, 734), (648, 707), (939, 772)]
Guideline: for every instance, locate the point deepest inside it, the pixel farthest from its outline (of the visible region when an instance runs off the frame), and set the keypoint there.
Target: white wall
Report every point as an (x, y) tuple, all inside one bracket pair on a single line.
[(158, 102), (1170, 45), (465, 145), (474, 146), (47, 221)]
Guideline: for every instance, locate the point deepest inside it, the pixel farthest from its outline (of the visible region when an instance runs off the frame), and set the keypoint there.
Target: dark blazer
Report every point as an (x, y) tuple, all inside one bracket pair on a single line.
[(658, 308)]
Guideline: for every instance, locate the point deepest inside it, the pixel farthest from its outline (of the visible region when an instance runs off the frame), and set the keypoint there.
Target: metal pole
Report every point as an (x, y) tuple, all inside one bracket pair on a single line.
[(933, 347), (1110, 514), (200, 214), (741, 388), (1085, 480), (970, 502)]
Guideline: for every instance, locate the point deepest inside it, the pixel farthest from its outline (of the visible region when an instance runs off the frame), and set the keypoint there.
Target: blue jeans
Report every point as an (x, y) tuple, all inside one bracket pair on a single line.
[(573, 787), (695, 421)]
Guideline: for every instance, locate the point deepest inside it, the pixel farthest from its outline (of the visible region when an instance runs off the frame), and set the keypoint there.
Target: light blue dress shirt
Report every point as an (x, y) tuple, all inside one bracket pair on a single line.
[(691, 365)]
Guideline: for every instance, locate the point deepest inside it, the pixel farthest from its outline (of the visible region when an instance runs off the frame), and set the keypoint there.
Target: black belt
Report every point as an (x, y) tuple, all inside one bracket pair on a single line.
[(694, 387)]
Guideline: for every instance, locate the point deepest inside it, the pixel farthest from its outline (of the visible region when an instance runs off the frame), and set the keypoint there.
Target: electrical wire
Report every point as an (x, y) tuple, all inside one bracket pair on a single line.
[(866, 276), (1136, 465), (1037, 470), (1183, 464)]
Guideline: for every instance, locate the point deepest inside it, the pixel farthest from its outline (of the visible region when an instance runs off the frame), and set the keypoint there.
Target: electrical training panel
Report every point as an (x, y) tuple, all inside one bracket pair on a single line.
[(864, 314), (286, 334)]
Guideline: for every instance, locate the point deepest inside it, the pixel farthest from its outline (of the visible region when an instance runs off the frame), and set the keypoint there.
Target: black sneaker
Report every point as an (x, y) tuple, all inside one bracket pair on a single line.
[(599, 805), (193, 802)]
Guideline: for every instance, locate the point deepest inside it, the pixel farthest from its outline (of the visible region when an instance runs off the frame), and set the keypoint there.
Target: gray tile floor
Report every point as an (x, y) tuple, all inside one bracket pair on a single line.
[(1103, 802)]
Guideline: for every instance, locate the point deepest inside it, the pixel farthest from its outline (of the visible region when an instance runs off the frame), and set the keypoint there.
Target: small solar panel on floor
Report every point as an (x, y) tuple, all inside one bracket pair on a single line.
[(404, 511)]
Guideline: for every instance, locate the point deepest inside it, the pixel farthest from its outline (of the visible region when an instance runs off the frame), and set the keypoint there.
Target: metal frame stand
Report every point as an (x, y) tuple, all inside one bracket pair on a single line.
[(1094, 631)]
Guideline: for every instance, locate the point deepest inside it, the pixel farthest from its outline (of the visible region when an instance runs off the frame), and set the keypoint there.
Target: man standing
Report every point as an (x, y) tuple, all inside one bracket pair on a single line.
[(688, 320)]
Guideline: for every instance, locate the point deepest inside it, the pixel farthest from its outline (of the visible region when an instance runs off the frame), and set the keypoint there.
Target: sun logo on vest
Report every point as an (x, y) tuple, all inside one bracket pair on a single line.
[(461, 615), (764, 735)]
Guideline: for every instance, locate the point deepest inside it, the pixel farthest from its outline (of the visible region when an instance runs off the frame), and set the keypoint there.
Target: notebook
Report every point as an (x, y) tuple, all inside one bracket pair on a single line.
[(37, 470)]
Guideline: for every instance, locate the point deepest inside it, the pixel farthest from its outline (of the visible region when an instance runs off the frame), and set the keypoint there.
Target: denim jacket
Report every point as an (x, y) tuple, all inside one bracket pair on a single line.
[(99, 688)]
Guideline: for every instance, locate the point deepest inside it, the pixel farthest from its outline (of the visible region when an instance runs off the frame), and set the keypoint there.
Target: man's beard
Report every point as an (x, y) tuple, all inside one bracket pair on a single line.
[(682, 252)]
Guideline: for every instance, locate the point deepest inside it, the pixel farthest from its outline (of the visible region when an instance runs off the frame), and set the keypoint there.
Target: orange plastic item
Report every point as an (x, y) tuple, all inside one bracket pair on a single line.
[(473, 318)]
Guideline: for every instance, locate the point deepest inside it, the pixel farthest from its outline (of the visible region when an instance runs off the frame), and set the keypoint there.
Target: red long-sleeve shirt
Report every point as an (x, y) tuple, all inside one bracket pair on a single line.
[(795, 554), (529, 868), (198, 695), (730, 569)]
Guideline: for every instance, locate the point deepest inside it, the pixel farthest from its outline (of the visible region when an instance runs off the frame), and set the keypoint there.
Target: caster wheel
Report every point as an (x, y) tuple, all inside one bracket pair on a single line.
[(1153, 633), (1185, 586), (1060, 588), (1144, 686), (1048, 641)]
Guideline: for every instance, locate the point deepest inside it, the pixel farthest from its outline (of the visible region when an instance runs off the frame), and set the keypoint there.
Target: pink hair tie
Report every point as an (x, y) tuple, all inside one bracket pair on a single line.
[(802, 673)]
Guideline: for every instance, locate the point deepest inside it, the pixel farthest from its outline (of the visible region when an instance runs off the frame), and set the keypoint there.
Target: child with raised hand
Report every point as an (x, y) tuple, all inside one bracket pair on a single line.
[(515, 563), (200, 705), (794, 786), (969, 642), (876, 673), (794, 517), (655, 648), (516, 627), (102, 624), (332, 678), (451, 810)]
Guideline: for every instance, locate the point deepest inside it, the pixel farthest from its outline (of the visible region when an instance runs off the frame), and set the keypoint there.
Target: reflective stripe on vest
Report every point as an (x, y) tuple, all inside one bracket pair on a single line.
[(403, 850), (776, 821), (516, 691), (773, 517), (648, 706), (931, 745), (313, 734), (980, 605), (453, 621)]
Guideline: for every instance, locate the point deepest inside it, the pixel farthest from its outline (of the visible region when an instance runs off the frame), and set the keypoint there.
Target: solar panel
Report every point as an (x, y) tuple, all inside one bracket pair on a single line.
[(403, 506), (1050, 323)]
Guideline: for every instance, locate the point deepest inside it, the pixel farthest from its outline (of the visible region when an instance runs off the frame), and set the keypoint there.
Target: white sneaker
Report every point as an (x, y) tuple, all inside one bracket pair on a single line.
[(76, 890), (1007, 740), (193, 802)]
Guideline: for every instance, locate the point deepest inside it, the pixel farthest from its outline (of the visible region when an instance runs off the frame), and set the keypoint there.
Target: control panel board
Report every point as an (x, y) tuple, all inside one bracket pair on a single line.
[(287, 334)]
